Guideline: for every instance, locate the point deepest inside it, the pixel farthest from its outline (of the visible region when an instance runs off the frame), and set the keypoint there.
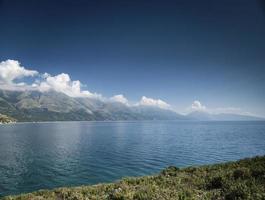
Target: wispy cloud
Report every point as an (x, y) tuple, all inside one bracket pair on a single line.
[(198, 106)]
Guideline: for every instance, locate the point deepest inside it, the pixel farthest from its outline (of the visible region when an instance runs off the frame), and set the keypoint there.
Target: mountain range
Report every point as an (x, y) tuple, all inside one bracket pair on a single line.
[(55, 106)]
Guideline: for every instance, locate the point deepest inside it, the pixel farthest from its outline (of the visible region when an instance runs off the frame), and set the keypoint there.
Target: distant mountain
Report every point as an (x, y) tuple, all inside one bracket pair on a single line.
[(204, 116), (197, 115), (155, 113), (54, 106)]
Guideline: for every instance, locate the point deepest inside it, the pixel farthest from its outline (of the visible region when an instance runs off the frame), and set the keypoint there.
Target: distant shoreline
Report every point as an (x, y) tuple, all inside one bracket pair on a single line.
[(111, 121)]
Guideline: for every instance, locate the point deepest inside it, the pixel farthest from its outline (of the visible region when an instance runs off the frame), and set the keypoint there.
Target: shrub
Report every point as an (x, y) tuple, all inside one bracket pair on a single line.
[(216, 182), (170, 171), (241, 173), (258, 172), (237, 192), (116, 194)]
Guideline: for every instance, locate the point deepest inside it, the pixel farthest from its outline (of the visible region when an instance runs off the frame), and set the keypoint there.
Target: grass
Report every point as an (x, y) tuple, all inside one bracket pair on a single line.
[(244, 179)]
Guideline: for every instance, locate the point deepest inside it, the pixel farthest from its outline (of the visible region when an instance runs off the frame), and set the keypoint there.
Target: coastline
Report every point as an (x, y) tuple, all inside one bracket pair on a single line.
[(243, 179), (132, 121)]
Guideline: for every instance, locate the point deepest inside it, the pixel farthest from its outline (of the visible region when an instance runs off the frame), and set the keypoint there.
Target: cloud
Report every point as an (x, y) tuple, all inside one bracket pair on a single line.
[(63, 83), (11, 70), (120, 98), (13, 76), (153, 102), (197, 106)]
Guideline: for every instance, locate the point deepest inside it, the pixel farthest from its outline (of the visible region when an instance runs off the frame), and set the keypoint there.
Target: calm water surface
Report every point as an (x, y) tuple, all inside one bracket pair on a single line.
[(46, 155)]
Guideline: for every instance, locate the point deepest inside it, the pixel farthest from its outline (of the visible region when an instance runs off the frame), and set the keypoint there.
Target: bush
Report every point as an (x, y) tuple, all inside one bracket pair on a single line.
[(116, 194), (258, 172), (215, 183), (241, 173), (237, 192), (170, 171)]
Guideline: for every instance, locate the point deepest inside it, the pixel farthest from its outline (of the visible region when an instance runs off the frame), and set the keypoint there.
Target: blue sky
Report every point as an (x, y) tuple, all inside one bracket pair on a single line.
[(177, 51)]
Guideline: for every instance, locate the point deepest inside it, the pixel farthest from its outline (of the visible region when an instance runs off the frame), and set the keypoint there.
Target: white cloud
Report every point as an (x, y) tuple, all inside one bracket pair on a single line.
[(12, 74), (197, 106), (63, 83), (120, 98), (11, 70), (153, 102)]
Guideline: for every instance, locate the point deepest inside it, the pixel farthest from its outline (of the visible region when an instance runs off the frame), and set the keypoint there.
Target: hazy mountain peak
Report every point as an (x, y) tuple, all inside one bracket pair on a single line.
[(52, 105)]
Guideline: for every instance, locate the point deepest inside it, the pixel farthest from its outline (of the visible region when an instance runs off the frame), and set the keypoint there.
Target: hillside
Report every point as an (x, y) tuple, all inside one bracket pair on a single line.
[(244, 179), (55, 106)]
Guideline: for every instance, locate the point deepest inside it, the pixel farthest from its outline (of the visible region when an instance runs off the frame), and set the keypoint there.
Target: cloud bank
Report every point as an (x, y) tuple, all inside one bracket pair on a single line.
[(12, 72), (13, 75), (63, 83)]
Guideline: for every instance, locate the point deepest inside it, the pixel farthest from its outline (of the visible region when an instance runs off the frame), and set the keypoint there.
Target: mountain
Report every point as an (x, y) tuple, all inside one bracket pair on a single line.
[(205, 116), (55, 106), (37, 106), (197, 115), (155, 113)]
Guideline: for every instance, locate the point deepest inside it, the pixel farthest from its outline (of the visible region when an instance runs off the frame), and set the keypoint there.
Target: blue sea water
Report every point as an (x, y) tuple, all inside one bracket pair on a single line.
[(47, 155)]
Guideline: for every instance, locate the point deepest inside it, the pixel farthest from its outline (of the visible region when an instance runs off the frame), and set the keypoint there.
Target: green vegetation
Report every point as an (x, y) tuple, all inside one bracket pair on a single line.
[(244, 179), (6, 120)]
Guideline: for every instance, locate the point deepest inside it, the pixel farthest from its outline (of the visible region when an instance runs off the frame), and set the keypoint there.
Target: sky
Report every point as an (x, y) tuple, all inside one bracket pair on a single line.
[(189, 54)]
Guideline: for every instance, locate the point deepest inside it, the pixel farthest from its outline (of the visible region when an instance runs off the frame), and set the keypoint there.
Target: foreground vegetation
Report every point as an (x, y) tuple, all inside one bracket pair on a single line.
[(244, 179), (6, 120)]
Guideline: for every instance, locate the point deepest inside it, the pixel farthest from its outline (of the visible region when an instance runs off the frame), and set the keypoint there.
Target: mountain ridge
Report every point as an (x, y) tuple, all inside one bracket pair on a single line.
[(54, 106), (205, 116)]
